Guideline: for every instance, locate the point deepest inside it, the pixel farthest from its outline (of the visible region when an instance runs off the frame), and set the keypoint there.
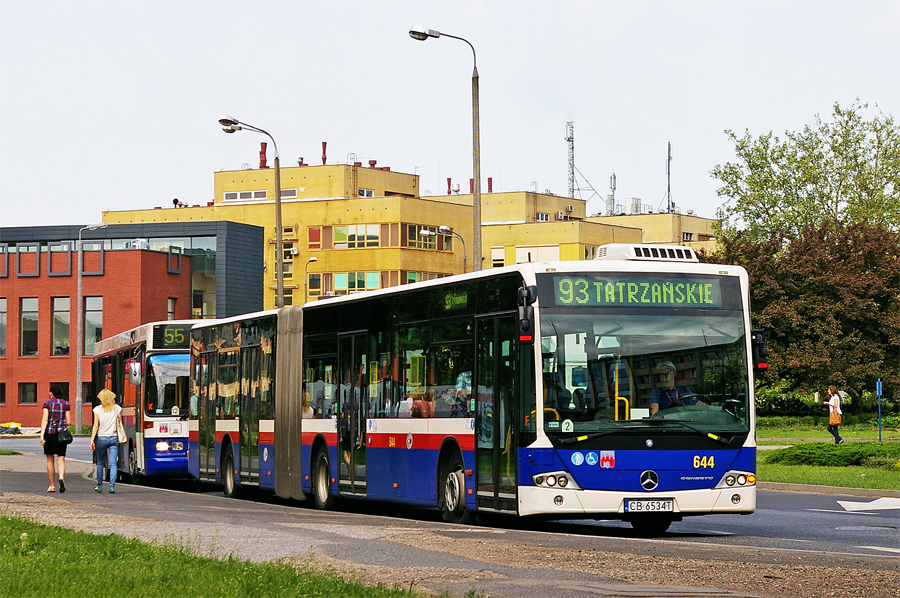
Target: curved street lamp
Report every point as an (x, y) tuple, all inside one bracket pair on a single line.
[(230, 125), (446, 231), (420, 33), (79, 330)]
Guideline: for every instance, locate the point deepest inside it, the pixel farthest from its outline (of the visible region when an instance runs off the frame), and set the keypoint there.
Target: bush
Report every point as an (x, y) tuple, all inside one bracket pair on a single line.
[(879, 455)]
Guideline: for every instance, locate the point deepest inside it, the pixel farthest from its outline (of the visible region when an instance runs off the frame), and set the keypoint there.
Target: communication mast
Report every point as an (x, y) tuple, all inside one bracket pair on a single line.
[(671, 204), (570, 137)]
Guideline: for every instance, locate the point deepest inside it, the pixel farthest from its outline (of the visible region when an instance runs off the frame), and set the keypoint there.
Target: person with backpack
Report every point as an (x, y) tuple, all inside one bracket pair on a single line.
[(56, 415)]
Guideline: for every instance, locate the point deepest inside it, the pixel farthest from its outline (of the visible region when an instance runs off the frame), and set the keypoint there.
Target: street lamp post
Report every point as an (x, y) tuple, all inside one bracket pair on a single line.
[(230, 125), (446, 231), (311, 260), (420, 33), (79, 330)]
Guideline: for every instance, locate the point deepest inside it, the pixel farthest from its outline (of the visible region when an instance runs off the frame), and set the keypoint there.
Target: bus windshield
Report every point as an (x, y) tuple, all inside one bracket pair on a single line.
[(167, 382), (617, 368)]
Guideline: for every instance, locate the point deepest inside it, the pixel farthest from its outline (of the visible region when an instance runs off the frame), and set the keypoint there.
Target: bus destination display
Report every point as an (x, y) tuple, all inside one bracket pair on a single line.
[(172, 336), (629, 291)]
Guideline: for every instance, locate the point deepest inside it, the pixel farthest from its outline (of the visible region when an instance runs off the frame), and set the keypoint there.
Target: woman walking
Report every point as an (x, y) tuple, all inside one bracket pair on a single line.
[(104, 438), (834, 413), (56, 415)]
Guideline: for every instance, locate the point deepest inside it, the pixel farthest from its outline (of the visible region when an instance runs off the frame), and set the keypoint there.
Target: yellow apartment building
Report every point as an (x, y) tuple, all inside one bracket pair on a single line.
[(682, 229), (349, 228)]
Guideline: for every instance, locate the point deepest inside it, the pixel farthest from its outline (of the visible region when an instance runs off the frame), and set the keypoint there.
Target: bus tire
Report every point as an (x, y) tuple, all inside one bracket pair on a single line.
[(649, 526), (133, 476), (321, 483), (455, 509), (228, 486)]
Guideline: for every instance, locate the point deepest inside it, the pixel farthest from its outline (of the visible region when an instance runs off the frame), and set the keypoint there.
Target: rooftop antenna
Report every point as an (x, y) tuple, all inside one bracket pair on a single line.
[(671, 205), (570, 137), (611, 198)]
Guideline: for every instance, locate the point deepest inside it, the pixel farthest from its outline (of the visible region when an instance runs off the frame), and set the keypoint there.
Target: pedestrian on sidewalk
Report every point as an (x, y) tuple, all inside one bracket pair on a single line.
[(56, 414), (834, 413), (104, 438)]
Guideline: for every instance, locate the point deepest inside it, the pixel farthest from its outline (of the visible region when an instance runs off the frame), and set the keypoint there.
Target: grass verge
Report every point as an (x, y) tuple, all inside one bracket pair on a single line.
[(40, 560), (874, 465)]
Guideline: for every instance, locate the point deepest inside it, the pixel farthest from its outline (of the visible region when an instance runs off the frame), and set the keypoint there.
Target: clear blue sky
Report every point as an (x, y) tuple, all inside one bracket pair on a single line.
[(113, 105)]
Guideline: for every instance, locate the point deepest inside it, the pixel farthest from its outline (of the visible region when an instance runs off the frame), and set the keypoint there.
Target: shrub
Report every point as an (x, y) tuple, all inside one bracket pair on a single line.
[(880, 455)]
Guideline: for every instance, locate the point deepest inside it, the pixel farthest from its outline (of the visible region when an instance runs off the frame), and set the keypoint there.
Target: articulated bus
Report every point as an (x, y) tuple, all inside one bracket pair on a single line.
[(148, 368), (617, 388)]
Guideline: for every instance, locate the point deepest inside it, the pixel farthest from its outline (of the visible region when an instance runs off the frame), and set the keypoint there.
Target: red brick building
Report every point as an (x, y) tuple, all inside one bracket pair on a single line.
[(121, 289)]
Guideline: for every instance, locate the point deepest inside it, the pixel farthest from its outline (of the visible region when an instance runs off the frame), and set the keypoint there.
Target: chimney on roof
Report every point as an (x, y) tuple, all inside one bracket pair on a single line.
[(324, 158), (372, 163), (262, 155)]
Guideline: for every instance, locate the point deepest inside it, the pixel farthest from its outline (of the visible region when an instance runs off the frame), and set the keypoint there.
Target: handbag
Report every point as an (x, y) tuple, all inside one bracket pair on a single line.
[(120, 431), (63, 435), (834, 418)]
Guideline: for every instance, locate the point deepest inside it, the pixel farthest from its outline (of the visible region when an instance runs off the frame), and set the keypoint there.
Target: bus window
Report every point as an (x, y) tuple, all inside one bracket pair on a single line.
[(167, 383)]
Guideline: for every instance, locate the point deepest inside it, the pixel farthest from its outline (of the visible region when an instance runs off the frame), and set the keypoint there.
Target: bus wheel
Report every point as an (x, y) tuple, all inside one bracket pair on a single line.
[(455, 493), (133, 476), (651, 525), (322, 480), (231, 491)]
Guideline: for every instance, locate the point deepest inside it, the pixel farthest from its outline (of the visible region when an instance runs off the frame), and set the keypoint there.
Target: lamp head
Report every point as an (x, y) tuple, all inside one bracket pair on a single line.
[(312, 259), (96, 226), (444, 229), (231, 128), (418, 32), (427, 233), (227, 121)]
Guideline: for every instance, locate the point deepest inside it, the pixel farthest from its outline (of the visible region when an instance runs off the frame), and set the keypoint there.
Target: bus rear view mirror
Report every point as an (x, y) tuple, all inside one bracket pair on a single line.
[(134, 372)]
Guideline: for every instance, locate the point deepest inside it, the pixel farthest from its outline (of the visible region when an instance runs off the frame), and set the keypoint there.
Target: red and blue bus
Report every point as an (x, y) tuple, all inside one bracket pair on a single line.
[(616, 388), (148, 368)]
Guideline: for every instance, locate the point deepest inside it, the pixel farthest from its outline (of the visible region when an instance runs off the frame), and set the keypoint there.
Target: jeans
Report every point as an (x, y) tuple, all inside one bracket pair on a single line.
[(104, 444), (833, 430)]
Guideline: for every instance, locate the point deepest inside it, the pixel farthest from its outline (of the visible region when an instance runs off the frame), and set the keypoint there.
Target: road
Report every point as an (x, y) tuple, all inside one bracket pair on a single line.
[(792, 535)]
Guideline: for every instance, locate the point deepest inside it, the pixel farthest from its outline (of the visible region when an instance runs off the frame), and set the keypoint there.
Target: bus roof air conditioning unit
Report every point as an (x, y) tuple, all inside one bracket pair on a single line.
[(624, 251)]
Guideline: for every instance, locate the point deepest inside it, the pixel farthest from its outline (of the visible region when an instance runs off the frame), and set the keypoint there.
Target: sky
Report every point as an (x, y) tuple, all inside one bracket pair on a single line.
[(114, 105)]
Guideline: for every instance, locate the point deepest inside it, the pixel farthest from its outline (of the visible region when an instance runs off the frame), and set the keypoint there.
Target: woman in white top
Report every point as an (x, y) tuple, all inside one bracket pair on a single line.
[(104, 438), (834, 407)]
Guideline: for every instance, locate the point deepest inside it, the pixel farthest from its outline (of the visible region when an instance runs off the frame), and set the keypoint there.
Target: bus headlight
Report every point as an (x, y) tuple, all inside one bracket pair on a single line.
[(556, 479), (177, 446), (733, 479), (162, 446)]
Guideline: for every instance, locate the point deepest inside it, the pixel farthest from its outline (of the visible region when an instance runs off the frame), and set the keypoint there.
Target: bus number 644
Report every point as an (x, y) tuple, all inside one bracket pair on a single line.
[(704, 462)]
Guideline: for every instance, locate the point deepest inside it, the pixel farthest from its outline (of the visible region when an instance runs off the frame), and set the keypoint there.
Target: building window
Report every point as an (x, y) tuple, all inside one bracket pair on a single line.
[(687, 236), (353, 282), (315, 285), (498, 257), (27, 393), (28, 326), (61, 324), (410, 277), (366, 192), (352, 236), (2, 326), (314, 237), (170, 310), (287, 262), (542, 217), (93, 323), (2, 393), (287, 296), (415, 239), (590, 252)]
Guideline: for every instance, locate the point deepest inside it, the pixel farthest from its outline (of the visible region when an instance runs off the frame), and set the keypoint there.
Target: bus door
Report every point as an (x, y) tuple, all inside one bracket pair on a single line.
[(249, 414), (351, 413), (207, 424), (496, 442)]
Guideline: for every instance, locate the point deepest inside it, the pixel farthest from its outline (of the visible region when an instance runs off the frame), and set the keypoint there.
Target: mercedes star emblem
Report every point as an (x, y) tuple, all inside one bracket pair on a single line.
[(649, 480)]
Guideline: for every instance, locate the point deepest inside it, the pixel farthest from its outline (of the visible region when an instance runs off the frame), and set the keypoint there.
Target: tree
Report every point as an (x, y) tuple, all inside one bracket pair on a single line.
[(842, 171), (828, 298)]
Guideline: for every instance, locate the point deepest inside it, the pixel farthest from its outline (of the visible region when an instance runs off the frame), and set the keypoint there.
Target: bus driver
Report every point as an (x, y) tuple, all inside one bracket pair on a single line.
[(669, 393)]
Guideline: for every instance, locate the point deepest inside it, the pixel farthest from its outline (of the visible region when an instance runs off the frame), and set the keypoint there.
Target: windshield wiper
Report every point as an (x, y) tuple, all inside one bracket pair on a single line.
[(643, 425)]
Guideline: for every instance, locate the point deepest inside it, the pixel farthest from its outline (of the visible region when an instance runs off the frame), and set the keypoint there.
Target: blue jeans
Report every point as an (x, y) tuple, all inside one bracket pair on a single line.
[(104, 444), (834, 432)]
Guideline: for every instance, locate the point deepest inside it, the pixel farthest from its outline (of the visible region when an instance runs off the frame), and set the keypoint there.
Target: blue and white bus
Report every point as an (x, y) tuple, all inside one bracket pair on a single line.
[(148, 367), (616, 388)]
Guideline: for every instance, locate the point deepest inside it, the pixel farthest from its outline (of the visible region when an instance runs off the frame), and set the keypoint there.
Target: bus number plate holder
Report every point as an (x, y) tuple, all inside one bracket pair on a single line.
[(643, 505)]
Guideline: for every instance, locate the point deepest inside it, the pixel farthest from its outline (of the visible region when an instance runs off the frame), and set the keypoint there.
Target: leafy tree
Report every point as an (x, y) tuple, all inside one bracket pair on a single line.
[(844, 170), (828, 297)]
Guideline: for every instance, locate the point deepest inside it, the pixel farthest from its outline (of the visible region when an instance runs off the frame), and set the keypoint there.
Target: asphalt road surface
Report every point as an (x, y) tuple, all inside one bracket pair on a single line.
[(793, 532)]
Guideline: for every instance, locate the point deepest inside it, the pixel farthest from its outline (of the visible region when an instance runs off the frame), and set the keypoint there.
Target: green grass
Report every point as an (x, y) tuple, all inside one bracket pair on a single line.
[(39, 560), (874, 465), (813, 427), (8, 453)]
